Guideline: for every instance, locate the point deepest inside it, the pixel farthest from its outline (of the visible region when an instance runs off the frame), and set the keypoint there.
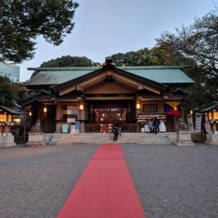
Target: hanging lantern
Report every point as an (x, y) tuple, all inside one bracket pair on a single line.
[(210, 116), (3, 117), (137, 105), (81, 107), (9, 118), (215, 115)]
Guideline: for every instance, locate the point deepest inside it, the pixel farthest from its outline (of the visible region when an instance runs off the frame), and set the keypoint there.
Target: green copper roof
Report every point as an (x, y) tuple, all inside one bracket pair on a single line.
[(215, 106), (160, 74), (58, 75)]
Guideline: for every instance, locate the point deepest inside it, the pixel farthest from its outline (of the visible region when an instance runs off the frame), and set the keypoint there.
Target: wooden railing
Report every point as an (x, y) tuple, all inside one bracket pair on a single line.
[(127, 127), (92, 128)]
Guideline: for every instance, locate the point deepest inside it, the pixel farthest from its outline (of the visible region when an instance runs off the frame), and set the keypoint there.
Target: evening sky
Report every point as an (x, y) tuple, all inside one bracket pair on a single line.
[(103, 28)]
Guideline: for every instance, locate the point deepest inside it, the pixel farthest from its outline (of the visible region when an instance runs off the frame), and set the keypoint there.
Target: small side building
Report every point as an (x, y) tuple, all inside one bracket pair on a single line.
[(211, 124), (6, 121)]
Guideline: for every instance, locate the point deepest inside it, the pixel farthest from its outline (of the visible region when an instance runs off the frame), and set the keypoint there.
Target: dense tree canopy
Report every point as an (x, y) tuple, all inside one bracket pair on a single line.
[(159, 56), (68, 61), (199, 42), (128, 59), (152, 57), (22, 21), (8, 91)]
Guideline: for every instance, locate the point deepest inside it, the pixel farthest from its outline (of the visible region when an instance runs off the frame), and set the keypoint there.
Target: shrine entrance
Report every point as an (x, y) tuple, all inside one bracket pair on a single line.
[(104, 115)]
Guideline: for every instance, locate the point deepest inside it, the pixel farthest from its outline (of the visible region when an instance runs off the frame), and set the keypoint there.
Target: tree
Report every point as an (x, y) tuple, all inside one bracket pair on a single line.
[(22, 21), (152, 57), (128, 59), (197, 94), (159, 56), (8, 91), (199, 42), (68, 61)]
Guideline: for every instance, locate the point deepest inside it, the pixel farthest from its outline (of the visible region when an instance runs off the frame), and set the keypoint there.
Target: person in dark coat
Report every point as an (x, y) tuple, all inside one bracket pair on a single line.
[(116, 127), (156, 123)]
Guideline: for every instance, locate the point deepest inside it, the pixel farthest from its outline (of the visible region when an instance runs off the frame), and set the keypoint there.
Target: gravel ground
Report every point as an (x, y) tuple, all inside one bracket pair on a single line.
[(172, 182), (35, 182), (175, 182)]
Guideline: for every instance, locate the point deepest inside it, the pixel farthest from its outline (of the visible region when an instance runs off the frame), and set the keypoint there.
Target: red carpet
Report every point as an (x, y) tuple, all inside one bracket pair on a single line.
[(105, 189)]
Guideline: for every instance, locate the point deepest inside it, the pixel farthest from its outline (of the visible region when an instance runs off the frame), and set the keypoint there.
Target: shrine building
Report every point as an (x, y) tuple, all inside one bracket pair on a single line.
[(90, 99)]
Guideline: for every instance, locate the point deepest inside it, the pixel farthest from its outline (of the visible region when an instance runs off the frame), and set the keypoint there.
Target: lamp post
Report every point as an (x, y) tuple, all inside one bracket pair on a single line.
[(137, 115)]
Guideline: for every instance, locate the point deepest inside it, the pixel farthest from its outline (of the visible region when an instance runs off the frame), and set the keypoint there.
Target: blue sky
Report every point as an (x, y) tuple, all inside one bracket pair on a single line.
[(103, 28)]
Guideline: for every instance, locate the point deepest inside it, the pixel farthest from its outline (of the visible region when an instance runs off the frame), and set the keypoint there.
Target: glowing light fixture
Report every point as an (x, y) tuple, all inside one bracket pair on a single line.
[(9, 117), (210, 116), (3, 118), (81, 107), (215, 115), (45, 109), (138, 106)]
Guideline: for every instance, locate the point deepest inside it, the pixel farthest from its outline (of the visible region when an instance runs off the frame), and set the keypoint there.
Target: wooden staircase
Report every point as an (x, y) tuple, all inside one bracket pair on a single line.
[(105, 138)]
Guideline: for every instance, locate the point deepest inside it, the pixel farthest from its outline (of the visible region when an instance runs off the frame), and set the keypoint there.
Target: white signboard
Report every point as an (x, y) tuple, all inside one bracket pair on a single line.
[(198, 122), (207, 124), (190, 122)]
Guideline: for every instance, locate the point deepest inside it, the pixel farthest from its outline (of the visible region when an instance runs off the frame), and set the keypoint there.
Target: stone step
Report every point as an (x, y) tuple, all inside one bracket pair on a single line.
[(103, 138)]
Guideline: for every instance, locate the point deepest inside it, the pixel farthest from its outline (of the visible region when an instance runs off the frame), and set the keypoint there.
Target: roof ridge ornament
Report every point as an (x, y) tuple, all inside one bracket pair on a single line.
[(108, 61)]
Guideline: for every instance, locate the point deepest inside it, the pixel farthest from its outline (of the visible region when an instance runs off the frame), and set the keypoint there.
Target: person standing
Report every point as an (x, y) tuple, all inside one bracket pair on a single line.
[(151, 125), (116, 126), (156, 125)]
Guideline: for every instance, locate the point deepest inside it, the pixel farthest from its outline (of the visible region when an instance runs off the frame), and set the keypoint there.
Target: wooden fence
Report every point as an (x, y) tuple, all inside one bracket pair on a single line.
[(127, 127)]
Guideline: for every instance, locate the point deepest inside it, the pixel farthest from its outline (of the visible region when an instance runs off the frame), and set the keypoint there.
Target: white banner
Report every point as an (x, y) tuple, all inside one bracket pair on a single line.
[(190, 122), (207, 124), (198, 122)]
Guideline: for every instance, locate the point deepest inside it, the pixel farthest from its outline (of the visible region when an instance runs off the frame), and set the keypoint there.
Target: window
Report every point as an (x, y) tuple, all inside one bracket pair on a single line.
[(149, 108)]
